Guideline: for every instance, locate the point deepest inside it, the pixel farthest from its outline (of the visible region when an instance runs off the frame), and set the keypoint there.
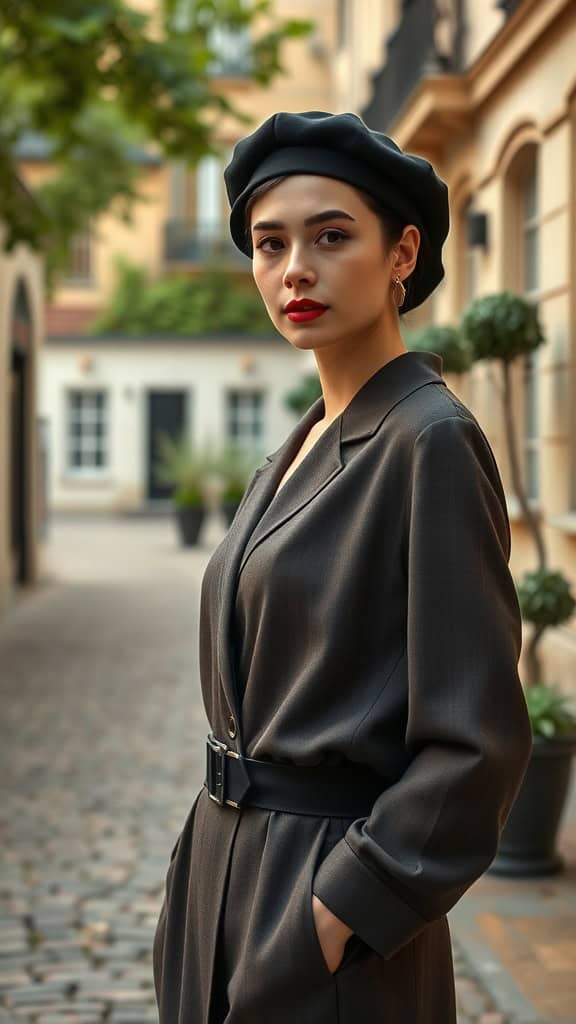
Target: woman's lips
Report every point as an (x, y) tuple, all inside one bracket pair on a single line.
[(300, 316)]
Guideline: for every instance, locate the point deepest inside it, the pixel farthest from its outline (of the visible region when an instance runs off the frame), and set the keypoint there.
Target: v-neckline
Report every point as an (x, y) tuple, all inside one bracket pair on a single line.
[(281, 486)]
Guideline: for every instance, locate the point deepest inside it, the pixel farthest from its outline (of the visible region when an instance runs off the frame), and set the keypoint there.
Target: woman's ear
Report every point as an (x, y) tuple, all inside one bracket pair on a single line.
[(405, 252)]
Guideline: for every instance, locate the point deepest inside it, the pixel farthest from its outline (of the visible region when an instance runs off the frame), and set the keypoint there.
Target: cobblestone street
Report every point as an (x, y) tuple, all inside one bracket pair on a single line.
[(102, 754)]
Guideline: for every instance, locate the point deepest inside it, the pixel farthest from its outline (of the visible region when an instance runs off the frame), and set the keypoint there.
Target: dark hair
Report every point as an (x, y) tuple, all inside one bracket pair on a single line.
[(392, 225)]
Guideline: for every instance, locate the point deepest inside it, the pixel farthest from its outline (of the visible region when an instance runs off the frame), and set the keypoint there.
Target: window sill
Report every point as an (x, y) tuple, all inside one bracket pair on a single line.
[(78, 283), (565, 522), (85, 481), (515, 513)]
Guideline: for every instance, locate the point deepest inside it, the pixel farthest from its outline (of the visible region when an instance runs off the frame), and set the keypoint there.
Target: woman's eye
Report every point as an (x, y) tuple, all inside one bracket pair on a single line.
[(330, 235), (267, 244), (333, 235)]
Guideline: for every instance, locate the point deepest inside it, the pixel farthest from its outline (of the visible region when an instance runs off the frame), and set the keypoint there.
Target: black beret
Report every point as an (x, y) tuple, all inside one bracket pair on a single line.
[(342, 146)]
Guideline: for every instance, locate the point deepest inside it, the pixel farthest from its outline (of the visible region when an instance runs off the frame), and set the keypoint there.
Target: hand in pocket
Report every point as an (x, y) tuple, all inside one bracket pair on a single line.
[(332, 933)]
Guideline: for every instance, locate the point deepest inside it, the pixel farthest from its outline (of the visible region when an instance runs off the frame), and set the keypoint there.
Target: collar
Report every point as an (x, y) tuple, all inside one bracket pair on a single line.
[(365, 412)]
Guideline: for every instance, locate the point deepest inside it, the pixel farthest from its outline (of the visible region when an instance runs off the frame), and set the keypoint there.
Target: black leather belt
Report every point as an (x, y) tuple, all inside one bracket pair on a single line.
[(346, 791)]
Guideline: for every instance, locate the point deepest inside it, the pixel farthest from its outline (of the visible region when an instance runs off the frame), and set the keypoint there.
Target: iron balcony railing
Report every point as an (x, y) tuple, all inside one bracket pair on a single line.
[(192, 243), (508, 6), (428, 40)]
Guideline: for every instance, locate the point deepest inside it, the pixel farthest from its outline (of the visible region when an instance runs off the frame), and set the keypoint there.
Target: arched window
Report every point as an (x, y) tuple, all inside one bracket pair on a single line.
[(528, 193), (522, 274), (469, 288)]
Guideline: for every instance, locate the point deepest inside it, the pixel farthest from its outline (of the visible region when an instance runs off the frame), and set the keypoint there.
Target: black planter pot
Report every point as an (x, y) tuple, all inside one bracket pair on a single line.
[(528, 843), (189, 519), (229, 509)]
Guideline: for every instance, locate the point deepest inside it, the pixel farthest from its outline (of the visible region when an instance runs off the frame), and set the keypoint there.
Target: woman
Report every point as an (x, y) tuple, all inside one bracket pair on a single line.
[(359, 631)]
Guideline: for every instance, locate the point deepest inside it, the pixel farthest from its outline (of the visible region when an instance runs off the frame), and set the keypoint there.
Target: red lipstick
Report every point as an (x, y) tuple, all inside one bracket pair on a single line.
[(301, 310)]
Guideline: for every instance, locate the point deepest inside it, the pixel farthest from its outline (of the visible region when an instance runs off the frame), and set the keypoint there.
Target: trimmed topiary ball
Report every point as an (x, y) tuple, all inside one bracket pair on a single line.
[(502, 326)]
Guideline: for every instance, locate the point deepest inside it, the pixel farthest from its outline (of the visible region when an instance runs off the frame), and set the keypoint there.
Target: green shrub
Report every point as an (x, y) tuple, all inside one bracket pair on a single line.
[(549, 711), (447, 342), (180, 304), (545, 598), (502, 326)]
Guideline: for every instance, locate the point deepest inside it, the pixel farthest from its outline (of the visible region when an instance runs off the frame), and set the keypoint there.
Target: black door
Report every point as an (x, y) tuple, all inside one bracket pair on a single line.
[(167, 414)]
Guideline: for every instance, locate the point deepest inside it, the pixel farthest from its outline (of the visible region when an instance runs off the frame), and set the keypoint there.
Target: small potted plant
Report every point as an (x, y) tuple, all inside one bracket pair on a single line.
[(504, 327), (234, 467), (528, 842), (180, 465)]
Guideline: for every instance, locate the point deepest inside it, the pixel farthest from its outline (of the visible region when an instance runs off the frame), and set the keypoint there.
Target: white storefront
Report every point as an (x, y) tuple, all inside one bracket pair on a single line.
[(105, 400)]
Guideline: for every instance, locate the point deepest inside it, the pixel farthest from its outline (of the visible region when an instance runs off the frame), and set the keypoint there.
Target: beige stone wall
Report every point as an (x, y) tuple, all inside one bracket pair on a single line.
[(306, 84), (521, 92), (367, 25), (139, 241), (16, 266), (483, 20)]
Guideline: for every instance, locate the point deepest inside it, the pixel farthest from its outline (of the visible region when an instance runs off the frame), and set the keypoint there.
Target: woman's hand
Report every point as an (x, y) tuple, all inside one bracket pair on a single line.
[(332, 933)]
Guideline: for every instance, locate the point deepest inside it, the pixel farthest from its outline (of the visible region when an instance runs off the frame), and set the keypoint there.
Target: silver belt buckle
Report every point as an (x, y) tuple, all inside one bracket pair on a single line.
[(216, 753)]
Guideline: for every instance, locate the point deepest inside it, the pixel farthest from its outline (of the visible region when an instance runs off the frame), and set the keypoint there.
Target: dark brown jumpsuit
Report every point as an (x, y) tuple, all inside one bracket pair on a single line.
[(365, 613)]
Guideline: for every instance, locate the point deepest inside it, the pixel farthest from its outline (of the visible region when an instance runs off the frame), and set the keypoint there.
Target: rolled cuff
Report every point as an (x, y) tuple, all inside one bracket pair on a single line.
[(364, 902)]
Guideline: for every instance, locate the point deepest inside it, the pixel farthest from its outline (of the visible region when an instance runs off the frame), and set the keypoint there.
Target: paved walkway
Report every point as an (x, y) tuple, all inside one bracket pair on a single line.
[(102, 729), (521, 937)]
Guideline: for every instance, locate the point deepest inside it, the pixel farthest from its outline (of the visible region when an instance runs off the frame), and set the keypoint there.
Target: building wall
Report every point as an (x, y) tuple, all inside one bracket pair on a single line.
[(483, 19), (306, 84), (360, 49), (520, 86), (20, 266), (127, 371)]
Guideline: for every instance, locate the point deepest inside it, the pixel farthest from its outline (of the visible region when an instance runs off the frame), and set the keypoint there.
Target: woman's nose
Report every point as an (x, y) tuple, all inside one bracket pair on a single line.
[(298, 271)]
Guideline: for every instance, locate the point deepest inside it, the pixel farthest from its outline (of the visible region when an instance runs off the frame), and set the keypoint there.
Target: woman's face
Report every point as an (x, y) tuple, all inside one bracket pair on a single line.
[(315, 238)]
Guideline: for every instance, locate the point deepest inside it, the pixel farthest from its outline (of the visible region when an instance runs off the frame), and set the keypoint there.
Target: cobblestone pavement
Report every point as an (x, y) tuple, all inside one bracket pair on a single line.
[(102, 729)]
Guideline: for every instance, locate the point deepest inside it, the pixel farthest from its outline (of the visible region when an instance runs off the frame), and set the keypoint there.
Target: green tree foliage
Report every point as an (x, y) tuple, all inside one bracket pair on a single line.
[(308, 391), (446, 341), (207, 302), (502, 326), (96, 78), (505, 327)]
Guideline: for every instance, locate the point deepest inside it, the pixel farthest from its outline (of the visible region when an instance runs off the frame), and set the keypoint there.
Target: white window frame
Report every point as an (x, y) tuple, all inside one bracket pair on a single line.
[(71, 279), (88, 441), (248, 414)]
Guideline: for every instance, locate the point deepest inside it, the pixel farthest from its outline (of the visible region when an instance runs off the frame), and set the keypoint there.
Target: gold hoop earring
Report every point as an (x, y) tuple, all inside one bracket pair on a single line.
[(398, 292)]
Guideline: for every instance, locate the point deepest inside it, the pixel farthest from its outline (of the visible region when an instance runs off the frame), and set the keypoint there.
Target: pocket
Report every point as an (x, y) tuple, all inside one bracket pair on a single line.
[(352, 950), (312, 934)]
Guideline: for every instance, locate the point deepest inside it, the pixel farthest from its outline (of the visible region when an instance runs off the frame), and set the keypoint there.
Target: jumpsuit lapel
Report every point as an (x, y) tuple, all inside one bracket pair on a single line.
[(263, 511), (261, 493)]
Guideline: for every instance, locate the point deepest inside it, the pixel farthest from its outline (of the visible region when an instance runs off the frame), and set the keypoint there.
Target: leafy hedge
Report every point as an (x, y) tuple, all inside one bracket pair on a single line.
[(207, 302)]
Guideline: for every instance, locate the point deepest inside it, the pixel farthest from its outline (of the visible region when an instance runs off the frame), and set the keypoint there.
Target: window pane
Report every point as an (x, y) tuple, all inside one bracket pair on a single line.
[(531, 259), (530, 194), (244, 416), (86, 429), (531, 284)]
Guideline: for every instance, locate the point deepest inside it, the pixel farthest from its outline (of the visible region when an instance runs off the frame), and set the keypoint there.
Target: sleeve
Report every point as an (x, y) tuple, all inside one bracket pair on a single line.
[(433, 832)]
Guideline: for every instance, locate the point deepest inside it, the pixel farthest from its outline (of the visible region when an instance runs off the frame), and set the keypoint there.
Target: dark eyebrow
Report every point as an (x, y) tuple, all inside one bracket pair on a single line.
[(317, 218)]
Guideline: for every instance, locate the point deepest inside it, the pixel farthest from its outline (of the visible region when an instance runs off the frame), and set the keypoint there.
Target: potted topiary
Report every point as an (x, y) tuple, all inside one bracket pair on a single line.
[(505, 327), (179, 464), (445, 341)]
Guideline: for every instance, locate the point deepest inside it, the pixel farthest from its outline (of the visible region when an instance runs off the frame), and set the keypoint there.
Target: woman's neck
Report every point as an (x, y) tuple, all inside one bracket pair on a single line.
[(342, 374)]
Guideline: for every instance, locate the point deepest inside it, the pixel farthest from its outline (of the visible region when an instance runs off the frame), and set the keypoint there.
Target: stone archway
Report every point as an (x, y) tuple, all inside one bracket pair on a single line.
[(21, 343)]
